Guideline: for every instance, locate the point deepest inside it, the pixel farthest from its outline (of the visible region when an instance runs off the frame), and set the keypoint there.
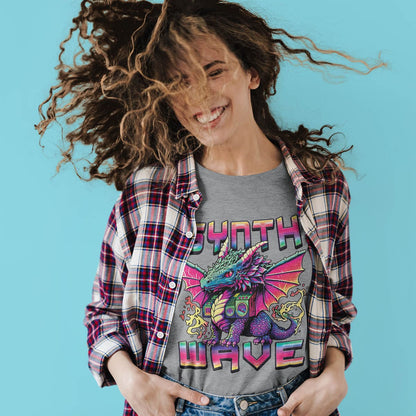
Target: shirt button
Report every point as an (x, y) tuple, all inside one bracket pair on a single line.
[(189, 234), (195, 197), (160, 334), (172, 285), (244, 405)]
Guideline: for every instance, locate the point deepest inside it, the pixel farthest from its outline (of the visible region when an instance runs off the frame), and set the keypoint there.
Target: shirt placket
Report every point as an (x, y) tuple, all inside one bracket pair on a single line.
[(190, 204)]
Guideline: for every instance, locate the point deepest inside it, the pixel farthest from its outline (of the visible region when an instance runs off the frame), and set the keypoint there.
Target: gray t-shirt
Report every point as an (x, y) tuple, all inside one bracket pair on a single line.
[(240, 323)]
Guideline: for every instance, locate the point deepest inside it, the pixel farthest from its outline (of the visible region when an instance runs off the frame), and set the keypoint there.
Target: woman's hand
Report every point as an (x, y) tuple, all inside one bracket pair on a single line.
[(148, 394), (319, 396)]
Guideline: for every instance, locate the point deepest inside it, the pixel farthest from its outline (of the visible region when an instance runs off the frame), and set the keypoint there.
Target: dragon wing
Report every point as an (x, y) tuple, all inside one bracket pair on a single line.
[(278, 280), (192, 276)]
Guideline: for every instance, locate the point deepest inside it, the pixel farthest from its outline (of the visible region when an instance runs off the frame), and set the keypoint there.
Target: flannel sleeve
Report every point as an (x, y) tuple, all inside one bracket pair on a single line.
[(343, 310), (103, 316)]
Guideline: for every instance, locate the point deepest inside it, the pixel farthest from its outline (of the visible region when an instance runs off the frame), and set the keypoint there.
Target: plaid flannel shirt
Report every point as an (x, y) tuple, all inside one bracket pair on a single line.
[(149, 237)]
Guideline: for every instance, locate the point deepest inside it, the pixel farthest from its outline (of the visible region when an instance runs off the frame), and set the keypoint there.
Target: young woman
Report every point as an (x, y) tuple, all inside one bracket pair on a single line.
[(224, 284)]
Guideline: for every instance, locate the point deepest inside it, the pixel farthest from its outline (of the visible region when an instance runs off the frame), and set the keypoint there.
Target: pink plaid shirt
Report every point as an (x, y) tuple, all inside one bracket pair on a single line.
[(149, 237)]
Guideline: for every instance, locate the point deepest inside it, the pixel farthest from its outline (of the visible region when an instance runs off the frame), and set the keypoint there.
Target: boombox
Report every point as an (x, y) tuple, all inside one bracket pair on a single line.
[(241, 305)]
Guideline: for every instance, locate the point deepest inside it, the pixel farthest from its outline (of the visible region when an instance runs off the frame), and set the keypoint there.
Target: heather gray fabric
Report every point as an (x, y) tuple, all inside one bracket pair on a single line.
[(251, 302)]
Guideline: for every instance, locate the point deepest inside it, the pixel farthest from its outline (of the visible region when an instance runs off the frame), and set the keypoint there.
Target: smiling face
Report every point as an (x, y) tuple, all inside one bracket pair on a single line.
[(218, 110)]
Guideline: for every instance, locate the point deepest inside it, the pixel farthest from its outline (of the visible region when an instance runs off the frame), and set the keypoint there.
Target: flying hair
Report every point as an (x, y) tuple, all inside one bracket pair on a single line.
[(117, 90)]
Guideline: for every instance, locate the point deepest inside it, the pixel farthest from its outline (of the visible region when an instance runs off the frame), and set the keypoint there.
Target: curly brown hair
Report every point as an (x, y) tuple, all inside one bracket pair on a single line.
[(118, 90)]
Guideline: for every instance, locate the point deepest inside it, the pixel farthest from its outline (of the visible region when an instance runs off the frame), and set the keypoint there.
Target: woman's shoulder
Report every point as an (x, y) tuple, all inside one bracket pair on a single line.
[(332, 187), (146, 179), (151, 174), (335, 179), (143, 184), (316, 175)]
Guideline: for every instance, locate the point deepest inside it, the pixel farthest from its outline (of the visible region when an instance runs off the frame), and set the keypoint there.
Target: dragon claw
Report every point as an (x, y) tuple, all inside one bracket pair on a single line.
[(211, 341), (263, 340), (230, 342)]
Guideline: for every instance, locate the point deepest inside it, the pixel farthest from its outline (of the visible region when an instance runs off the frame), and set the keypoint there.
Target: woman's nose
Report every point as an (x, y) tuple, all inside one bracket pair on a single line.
[(198, 91)]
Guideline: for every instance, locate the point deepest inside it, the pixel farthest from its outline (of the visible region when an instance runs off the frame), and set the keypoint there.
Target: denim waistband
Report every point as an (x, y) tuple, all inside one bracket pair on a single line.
[(244, 404)]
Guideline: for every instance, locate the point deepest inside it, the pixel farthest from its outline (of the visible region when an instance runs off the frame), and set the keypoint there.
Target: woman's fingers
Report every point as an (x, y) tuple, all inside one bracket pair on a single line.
[(191, 395), (289, 407)]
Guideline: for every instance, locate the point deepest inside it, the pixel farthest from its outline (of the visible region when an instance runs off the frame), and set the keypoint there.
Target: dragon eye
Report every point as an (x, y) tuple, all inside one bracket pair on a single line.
[(228, 274)]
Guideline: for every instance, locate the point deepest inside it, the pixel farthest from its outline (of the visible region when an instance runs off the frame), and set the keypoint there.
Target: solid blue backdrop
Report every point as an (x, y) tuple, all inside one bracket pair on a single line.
[(52, 226)]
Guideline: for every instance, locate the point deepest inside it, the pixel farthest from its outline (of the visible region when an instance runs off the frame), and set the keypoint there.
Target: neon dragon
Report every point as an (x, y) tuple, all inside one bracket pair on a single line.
[(236, 293)]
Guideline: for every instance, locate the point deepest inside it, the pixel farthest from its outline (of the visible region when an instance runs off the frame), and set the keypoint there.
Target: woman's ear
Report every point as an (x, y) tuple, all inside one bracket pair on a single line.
[(254, 79)]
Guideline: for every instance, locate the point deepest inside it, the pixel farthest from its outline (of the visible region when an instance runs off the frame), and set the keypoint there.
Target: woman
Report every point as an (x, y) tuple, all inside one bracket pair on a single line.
[(224, 284)]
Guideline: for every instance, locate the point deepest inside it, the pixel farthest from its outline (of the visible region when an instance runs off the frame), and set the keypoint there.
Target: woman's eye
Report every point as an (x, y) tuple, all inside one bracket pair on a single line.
[(216, 73)]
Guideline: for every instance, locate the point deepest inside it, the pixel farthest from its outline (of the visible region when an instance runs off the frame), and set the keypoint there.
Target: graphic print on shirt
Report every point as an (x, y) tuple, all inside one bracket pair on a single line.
[(243, 294)]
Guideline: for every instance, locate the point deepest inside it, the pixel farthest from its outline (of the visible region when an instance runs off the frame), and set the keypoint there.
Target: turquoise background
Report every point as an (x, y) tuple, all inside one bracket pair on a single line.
[(52, 226)]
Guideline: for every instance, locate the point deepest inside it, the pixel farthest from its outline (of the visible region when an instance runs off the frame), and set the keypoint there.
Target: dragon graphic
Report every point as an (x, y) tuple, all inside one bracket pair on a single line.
[(236, 293)]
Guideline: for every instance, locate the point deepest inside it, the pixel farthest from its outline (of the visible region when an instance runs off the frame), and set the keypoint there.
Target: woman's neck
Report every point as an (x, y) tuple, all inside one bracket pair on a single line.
[(251, 156)]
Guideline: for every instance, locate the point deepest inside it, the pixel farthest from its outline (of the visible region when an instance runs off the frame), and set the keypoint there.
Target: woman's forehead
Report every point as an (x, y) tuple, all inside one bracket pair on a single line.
[(205, 52)]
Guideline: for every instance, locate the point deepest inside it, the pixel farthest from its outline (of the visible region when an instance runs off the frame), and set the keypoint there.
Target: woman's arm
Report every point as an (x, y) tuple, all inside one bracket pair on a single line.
[(321, 395), (340, 276), (103, 315), (148, 394)]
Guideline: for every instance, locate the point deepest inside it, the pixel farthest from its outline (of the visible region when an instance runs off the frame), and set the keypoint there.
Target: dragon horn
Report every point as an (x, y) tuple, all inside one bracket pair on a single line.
[(224, 249), (250, 252)]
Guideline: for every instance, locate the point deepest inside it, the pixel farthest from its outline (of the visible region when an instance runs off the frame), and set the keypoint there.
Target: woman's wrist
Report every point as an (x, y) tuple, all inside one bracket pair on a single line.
[(334, 360), (122, 368), (334, 372)]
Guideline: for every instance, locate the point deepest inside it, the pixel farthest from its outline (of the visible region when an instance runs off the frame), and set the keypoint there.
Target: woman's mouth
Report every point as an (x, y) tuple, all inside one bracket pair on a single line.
[(209, 118)]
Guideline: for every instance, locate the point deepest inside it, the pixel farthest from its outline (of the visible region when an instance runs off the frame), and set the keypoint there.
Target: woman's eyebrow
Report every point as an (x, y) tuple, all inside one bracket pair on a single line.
[(211, 64), (205, 67)]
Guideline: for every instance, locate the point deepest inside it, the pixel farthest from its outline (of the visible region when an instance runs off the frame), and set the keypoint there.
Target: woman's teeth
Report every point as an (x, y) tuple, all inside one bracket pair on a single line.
[(209, 118)]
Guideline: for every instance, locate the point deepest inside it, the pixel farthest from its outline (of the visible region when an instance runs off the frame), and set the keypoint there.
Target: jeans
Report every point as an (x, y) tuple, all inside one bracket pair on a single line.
[(262, 404)]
